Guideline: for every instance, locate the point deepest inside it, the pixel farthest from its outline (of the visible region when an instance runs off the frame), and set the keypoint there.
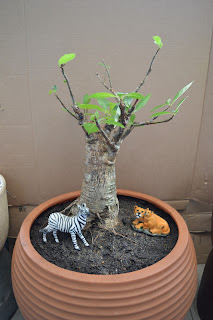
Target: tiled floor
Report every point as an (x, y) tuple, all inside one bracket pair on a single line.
[(191, 315)]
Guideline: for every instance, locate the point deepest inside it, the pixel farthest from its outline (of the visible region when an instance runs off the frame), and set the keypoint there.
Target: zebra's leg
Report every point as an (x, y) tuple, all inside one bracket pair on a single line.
[(44, 233), (83, 239), (73, 236), (55, 235), (45, 236)]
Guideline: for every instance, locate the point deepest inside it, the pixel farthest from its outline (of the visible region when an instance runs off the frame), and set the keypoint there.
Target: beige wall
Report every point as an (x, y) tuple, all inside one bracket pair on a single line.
[(202, 187), (42, 149)]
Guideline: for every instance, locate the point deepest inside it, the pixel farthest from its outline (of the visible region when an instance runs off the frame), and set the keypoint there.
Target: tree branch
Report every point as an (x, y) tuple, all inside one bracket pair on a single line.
[(148, 72), (141, 124), (74, 106), (108, 88), (72, 114), (104, 84), (126, 133)]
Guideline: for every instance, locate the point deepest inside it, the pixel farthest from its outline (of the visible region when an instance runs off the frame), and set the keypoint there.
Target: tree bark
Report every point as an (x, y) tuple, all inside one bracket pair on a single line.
[(99, 182)]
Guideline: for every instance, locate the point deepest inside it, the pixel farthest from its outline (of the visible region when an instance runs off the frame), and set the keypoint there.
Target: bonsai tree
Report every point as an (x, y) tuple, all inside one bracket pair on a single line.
[(107, 118)]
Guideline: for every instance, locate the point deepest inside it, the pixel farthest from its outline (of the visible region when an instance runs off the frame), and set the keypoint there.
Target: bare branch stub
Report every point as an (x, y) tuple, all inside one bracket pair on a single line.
[(74, 106), (148, 72), (104, 84), (108, 73)]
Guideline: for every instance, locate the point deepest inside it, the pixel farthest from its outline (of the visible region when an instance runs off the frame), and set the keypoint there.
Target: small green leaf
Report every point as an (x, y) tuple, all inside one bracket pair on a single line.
[(115, 123), (112, 105), (158, 41), (54, 88), (103, 103), (134, 95), (160, 105), (116, 112), (179, 104), (121, 94), (101, 95), (102, 64), (161, 113), (168, 101), (181, 92), (95, 115), (142, 103), (127, 101), (90, 106), (66, 58), (90, 127), (132, 118), (86, 99), (65, 81)]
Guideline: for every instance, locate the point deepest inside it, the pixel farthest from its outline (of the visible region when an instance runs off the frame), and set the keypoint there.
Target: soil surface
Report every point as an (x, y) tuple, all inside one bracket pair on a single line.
[(108, 253)]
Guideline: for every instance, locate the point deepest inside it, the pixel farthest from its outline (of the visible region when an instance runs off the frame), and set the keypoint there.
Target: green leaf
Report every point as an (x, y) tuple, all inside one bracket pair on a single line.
[(161, 113), (54, 88), (115, 123), (160, 105), (158, 41), (121, 94), (132, 118), (101, 95), (127, 101), (116, 112), (179, 104), (66, 58), (134, 95), (168, 101), (112, 105), (181, 92), (90, 127), (103, 103), (95, 115), (86, 99), (102, 64), (90, 106), (142, 103)]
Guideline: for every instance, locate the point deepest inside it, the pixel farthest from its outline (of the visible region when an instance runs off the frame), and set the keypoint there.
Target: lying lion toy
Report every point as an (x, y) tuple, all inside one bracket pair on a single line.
[(148, 222)]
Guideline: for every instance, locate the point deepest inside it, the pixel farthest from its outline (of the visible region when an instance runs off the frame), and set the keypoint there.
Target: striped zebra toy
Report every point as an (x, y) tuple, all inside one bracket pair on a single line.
[(73, 225)]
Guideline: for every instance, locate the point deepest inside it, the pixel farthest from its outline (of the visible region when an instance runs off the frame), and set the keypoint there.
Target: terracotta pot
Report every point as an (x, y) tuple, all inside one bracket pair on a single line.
[(164, 290)]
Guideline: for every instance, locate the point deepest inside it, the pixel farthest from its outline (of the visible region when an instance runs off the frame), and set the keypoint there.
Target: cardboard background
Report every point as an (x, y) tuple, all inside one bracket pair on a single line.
[(42, 148)]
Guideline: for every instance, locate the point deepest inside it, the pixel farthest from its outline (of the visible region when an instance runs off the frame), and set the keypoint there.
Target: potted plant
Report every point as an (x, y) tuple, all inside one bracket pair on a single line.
[(163, 290)]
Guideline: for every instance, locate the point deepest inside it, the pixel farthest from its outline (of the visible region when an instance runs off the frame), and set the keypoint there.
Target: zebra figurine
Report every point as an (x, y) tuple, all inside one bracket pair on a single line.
[(73, 225)]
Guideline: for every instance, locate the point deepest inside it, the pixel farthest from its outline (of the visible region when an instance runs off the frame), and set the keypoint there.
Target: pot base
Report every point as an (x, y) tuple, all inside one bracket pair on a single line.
[(164, 290)]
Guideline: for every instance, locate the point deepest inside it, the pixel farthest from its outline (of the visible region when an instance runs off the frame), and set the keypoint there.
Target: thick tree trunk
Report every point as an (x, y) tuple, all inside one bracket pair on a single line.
[(99, 183)]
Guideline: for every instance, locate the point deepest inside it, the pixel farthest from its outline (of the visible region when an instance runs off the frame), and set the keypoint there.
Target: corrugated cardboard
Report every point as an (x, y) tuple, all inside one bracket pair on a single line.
[(42, 148)]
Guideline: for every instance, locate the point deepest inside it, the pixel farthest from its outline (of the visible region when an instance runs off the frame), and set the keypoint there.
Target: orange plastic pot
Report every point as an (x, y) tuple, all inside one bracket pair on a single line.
[(164, 290)]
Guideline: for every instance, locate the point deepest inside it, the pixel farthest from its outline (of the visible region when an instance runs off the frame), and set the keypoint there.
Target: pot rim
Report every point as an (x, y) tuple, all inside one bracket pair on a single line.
[(158, 267)]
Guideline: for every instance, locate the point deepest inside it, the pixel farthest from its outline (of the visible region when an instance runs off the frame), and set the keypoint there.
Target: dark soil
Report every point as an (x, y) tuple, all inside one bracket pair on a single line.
[(108, 253)]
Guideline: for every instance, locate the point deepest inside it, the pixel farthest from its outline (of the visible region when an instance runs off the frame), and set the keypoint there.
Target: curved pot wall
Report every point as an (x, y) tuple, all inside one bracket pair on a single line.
[(164, 290), (4, 216)]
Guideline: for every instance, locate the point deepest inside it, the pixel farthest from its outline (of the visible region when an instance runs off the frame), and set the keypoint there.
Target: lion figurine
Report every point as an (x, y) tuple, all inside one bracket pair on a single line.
[(149, 222)]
